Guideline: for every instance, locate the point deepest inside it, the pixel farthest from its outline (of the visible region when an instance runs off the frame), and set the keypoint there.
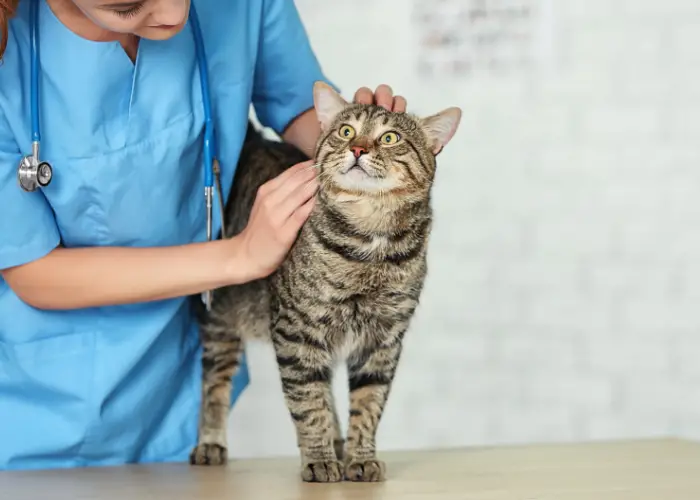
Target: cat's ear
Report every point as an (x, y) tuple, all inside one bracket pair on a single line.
[(328, 103), (441, 127)]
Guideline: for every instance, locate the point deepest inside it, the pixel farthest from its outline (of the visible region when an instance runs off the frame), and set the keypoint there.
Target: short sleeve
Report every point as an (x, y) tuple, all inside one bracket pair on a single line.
[(286, 67), (27, 226)]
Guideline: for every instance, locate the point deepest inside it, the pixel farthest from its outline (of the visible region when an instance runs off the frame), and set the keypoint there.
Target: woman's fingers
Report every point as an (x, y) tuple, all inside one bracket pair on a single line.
[(301, 214), (384, 97), (296, 183), (298, 218), (364, 96), (399, 104), (284, 186), (295, 199), (305, 168)]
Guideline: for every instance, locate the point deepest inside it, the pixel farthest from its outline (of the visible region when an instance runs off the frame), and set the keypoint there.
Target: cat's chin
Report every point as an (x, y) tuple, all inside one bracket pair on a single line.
[(357, 174), (356, 179)]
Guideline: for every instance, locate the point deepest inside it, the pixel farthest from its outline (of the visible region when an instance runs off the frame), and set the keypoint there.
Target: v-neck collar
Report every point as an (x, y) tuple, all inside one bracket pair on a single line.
[(94, 79), (119, 101), (51, 24)]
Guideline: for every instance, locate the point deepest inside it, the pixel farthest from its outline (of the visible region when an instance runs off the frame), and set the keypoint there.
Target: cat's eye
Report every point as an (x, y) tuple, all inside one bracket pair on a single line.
[(346, 132), (389, 138)]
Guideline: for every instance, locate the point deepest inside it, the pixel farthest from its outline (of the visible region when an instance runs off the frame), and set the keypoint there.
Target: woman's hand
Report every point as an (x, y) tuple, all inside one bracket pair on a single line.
[(383, 96), (281, 207)]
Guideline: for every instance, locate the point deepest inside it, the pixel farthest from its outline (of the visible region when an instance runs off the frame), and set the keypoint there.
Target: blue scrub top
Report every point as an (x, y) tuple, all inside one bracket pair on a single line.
[(111, 385)]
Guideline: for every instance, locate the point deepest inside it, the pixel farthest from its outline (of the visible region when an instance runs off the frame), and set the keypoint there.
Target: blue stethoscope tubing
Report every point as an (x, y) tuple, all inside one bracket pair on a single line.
[(36, 130), (211, 163)]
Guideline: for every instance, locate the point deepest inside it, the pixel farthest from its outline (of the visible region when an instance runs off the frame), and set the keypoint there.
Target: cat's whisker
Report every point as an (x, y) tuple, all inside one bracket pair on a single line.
[(313, 166)]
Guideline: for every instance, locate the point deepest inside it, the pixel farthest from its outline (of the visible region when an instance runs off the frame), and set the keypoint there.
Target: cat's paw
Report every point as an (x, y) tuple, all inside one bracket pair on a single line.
[(209, 454), (367, 471), (322, 472)]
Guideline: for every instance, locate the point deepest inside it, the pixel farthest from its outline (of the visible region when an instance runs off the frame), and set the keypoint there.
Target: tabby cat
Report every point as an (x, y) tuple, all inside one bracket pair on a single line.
[(347, 289)]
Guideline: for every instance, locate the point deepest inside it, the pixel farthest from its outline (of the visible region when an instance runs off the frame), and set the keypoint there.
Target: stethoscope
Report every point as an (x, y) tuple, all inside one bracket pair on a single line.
[(34, 173)]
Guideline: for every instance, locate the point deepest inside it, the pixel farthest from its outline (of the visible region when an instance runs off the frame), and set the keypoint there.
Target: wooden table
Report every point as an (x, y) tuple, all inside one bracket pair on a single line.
[(638, 470)]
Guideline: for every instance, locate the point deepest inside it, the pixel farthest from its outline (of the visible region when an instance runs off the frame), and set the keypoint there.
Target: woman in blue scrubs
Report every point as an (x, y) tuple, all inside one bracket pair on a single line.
[(99, 351)]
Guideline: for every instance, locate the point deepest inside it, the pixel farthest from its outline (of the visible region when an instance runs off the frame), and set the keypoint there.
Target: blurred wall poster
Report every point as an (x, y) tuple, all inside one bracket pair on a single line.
[(464, 38)]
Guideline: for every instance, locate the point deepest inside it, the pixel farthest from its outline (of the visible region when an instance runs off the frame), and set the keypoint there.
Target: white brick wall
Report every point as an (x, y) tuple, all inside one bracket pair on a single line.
[(563, 301)]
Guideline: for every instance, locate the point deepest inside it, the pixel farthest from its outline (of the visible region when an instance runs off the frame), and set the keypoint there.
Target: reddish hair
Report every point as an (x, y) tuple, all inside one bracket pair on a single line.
[(7, 10)]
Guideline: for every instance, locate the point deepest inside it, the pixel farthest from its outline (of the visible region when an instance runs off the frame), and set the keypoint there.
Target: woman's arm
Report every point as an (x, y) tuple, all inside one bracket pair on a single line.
[(303, 132), (70, 278)]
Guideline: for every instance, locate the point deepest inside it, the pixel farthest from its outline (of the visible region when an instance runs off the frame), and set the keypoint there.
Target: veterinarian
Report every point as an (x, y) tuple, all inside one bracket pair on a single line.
[(103, 218)]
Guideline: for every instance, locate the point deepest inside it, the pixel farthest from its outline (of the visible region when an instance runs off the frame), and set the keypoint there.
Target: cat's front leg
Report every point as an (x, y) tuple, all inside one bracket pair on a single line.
[(371, 374), (305, 369), (221, 356)]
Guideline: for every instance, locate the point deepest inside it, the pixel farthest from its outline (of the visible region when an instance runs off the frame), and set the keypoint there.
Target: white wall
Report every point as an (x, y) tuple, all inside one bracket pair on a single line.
[(563, 296)]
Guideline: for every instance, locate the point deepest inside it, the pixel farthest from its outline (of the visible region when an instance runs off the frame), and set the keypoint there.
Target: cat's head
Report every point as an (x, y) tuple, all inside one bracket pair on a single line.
[(367, 150)]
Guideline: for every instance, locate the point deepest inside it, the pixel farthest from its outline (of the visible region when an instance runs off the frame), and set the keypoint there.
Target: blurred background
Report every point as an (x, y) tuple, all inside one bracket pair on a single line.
[(563, 296)]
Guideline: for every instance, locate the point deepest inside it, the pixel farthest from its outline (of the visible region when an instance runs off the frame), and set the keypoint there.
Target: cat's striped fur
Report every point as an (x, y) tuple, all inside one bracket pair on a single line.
[(346, 291)]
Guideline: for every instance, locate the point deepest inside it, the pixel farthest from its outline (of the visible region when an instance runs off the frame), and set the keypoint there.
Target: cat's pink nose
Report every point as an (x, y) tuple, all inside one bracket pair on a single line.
[(358, 151)]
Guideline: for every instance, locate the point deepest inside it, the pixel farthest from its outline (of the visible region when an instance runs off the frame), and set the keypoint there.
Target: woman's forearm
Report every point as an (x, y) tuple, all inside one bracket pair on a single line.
[(101, 276), (304, 132), (76, 278)]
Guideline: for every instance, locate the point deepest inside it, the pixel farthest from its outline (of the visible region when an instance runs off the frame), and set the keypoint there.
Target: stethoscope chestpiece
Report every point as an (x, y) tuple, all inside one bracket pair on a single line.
[(32, 174), (44, 174)]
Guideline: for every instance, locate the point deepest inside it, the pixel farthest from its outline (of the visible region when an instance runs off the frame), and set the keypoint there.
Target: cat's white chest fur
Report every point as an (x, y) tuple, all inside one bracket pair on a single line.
[(377, 244), (344, 349)]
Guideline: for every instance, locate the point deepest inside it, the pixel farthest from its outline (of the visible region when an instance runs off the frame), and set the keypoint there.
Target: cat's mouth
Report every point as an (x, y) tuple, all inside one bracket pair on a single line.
[(357, 168), (357, 175)]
